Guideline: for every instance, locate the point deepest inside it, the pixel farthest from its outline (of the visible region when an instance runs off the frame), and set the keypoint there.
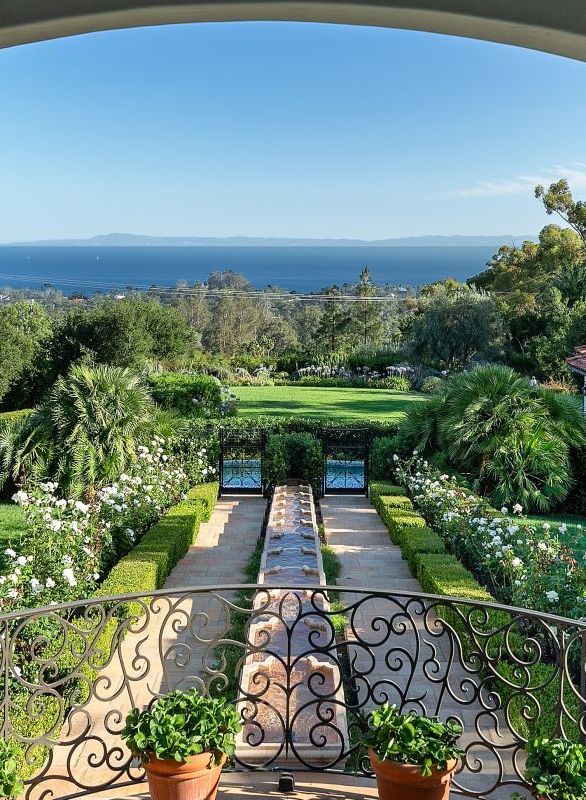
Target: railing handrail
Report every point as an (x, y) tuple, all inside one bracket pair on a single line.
[(554, 619)]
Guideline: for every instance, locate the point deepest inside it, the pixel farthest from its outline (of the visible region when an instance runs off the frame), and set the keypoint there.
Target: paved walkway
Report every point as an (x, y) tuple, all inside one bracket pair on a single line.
[(413, 661), (170, 646)]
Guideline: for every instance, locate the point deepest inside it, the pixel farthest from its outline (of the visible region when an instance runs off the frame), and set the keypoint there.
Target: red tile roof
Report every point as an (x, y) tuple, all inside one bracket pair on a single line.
[(577, 361)]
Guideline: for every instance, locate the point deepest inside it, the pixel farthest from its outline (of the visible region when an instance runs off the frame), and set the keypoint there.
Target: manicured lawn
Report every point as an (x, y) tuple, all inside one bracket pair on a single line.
[(575, 537), (324, 403), (11, 522)]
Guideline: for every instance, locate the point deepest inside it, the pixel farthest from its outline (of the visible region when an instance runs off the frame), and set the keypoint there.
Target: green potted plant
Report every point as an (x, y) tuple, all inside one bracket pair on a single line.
[(10, 782), (412, 755), (183, 740), (556, 769)]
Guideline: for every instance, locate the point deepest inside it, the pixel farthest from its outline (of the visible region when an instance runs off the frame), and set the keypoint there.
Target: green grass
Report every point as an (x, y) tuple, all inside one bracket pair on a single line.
[(12, 523), (574, 537), (324, 403)]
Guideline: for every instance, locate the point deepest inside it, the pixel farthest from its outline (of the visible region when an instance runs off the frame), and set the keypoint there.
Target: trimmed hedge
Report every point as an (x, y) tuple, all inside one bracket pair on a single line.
[(442, 573), (378, 489), (293, 455), (204, 496), (187, 393), (147, 566), (382, 449), (417, 541), (144, 569)]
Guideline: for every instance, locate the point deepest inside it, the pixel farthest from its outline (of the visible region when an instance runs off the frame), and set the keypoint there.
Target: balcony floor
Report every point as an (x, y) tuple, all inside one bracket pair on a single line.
[(263, 785)]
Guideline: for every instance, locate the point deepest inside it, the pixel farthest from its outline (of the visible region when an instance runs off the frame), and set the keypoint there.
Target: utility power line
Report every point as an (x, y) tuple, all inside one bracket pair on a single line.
[(193, 291)]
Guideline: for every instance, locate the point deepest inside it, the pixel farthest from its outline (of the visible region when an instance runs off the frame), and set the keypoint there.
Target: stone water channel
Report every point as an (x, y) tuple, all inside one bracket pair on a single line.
[(290, 687)]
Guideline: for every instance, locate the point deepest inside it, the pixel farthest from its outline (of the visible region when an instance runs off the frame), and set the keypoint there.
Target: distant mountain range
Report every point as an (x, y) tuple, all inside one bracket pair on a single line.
[(133, 240)]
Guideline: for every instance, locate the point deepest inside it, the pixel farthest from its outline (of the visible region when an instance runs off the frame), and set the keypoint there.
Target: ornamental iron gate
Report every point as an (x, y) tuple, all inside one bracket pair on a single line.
[(346, 456), (241, 454)]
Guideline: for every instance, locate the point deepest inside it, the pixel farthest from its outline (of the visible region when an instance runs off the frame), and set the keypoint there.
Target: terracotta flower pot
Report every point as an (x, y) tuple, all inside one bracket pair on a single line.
[(405, 781), (194, 779)]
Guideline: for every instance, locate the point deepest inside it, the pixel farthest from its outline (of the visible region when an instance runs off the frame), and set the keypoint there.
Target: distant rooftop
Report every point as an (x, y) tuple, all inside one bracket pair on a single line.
[(577, 361)]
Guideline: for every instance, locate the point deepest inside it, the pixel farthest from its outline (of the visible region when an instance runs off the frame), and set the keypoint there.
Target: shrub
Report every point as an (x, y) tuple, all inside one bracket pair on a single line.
[(293, 455), (413, 739), (187, 393), (399, 521), (432, 384), (86, 432), (556, 769), (513, 438), (377, 489), (14, 416), (10, 783), (416, 541), (529, 567), (382, 450), (183, 724)]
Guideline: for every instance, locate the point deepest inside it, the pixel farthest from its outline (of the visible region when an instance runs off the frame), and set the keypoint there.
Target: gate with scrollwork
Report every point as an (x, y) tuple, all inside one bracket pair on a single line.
[(241, 454), (346, 455)]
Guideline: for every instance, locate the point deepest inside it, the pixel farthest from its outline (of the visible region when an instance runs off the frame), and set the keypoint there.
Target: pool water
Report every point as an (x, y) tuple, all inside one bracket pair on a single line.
[(246, 474)]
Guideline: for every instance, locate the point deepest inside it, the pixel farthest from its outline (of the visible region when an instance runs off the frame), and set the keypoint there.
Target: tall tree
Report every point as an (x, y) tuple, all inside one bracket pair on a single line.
[(335, 324), (367, 317)]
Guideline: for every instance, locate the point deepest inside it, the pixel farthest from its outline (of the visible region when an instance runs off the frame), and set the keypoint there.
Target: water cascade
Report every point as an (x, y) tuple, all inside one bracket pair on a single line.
[(291, 679)]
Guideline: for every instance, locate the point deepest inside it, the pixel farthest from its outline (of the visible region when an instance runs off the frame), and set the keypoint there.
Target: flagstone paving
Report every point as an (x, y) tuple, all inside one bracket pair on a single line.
[(406, 653), (168, 648)]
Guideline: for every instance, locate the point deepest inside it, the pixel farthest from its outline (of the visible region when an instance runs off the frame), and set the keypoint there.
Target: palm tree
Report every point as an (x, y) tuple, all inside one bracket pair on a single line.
[(84, 433), (571, 281), (512, 438)]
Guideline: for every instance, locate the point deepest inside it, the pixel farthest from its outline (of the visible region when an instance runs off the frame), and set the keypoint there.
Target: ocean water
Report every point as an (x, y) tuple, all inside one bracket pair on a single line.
[(301, 268)]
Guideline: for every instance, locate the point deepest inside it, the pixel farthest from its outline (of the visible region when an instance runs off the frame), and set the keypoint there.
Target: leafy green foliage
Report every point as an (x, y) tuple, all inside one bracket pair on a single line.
[(10, 783), (556, 769), (187, 393), (453, 327), (25, 329), (293, 455), (183, 724), (125, 333), (514, 439), (86, 432), (413, 739)]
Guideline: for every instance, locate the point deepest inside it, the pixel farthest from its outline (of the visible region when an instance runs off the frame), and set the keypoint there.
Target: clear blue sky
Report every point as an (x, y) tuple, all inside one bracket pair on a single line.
[(282, 129)]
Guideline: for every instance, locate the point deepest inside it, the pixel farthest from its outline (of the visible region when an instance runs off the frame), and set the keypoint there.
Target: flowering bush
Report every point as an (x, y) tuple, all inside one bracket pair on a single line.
[(70, 544), (527, 566)]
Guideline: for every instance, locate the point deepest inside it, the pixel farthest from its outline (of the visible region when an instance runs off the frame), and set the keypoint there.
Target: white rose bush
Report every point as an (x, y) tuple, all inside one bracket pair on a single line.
[(522, 565), (70, 544)]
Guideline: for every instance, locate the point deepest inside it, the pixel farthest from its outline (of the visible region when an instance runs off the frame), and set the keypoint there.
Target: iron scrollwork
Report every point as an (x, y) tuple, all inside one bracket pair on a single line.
[(70, 674)]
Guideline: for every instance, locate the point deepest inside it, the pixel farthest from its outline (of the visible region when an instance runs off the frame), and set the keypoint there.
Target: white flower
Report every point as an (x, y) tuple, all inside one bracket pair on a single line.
[(517, 508), (50, 583), (36, 586), (69, 576), (81, 507), (504, 510), (10, 552), (21, 560), (516, 562), (12, 593), (542, 546), (20, 497), (552, 596), (546, 526)]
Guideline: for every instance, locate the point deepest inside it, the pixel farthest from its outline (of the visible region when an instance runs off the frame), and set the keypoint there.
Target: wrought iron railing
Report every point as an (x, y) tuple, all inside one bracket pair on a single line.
[(305, 674)]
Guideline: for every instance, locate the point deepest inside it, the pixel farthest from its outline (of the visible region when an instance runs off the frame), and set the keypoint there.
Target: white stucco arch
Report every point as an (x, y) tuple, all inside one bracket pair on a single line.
[(554, 26)]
